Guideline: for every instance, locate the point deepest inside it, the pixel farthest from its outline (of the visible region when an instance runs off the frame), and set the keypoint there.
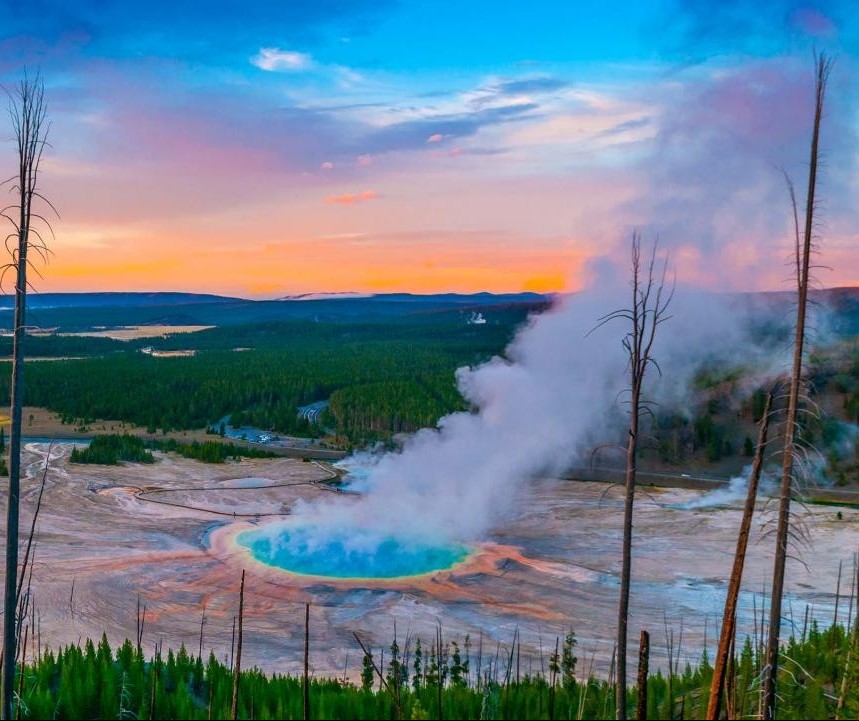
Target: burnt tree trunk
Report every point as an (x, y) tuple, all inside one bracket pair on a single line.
[(306, 662), (645, 314), (730, 613), (822, 67), (28, 112), (643, 664), (237, 671)]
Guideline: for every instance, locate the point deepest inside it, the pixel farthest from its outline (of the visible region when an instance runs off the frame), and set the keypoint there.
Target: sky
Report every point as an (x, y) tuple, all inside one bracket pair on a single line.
[(265, 149)]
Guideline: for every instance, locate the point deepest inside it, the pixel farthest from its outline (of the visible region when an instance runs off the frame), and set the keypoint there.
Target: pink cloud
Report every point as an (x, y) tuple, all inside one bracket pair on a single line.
[(351, 198), (435, 138), (813, 23), (364, 160), (452, 153), (327, 165)]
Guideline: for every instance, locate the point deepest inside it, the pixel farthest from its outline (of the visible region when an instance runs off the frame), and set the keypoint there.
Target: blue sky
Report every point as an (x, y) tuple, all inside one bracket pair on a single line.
[(429, 145), (385, 34)]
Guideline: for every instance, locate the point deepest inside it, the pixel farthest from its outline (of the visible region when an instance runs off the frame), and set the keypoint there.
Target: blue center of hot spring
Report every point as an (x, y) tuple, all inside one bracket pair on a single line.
[(299, 550)]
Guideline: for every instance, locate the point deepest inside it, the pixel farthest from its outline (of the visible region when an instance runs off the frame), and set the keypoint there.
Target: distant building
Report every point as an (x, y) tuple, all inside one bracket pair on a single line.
[(149, 350)]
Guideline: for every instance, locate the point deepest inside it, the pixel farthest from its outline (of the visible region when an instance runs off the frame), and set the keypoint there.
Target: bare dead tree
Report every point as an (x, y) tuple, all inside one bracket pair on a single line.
[(32, 535), (822, 69), (837, 595), (137, 635), (648, 310), (643, 664), (440, 678), (306, 679), (383, 684), (202, 624), (852, 637), (729, 617), (28, 562), (233, 644), (237, 671), (28, 113), (153, 687)]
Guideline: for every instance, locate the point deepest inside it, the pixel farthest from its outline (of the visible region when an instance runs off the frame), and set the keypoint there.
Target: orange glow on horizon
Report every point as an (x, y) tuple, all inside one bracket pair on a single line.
[(333, 264), (317, 254), (548, 283)]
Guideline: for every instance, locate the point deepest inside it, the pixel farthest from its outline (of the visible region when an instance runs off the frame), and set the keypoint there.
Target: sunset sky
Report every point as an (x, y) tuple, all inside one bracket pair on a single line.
[(271, 148)]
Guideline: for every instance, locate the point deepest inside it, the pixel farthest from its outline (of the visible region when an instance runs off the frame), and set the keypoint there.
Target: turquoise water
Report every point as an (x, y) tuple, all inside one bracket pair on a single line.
[(297, 550)]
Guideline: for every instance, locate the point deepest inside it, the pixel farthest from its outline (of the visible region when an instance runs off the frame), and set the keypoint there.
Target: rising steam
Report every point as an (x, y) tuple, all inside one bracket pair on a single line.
[(556, 393), (735, 492)]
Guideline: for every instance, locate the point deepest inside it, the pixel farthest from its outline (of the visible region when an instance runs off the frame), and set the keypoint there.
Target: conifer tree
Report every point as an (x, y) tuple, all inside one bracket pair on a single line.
[(367, 672), (417, 667)]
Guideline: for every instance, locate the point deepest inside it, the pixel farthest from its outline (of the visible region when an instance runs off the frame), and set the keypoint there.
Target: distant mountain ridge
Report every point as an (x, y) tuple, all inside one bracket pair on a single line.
[(169, 298), (345, 295), (119, 299), (74, 312), (71, 312), (483, 297), (114, 299)]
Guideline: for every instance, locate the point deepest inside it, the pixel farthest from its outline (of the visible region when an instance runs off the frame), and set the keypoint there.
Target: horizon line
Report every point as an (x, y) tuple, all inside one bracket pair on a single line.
[(358, 295)]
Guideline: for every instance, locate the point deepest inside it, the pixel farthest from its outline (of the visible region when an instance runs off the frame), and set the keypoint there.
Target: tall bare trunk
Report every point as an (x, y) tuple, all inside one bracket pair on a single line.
[(730, 614), (28, 113), (650, 300), (237, 671), (822, 67), (306, 662), (643, 664), (202, 623), (12, 510), (626, 562)]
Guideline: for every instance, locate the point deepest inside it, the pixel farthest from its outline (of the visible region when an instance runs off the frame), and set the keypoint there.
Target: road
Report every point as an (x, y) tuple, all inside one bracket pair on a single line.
[(696, 481)]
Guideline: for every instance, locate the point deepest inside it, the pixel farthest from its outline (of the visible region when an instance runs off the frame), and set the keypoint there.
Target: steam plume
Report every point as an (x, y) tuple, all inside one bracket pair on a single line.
[(556, 394)]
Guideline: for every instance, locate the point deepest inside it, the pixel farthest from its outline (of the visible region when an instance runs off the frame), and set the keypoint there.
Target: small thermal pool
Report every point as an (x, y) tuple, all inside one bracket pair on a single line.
[(303, 550)]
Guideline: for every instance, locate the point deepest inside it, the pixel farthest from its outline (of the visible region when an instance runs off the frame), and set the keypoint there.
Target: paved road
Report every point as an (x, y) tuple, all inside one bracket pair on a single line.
[(312, 411), (696, 480)]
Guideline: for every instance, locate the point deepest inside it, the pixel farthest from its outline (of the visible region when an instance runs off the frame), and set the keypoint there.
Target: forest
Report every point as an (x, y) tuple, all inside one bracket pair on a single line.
[(395, 376), (416, 681), (381, 378), (207, 451), (111, 449)]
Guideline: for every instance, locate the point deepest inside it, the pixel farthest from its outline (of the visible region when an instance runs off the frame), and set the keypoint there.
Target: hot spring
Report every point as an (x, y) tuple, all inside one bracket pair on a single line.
[(347, 554)]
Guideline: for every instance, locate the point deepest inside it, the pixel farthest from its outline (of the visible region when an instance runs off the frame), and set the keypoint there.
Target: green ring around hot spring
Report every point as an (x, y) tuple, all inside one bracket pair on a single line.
[(390, 560)]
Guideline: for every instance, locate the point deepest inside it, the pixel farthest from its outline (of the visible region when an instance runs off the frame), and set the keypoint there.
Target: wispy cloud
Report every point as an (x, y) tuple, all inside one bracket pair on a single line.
[(504, 91), (415, 133), (452, 153), (343, 236), (347, 77), (352, 198), (530, 86), (277, 61)]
